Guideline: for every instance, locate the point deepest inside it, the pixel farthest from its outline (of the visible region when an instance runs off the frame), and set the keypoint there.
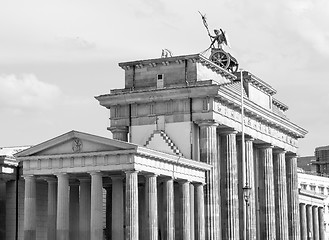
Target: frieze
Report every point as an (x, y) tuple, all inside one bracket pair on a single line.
[(256, 124)]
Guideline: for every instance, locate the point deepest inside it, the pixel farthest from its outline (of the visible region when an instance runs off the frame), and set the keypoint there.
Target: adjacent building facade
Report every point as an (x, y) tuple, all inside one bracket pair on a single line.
[(178, 166)]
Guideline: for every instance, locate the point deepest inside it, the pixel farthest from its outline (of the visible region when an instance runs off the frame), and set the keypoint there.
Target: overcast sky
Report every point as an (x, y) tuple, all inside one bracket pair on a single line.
[(56, 55)]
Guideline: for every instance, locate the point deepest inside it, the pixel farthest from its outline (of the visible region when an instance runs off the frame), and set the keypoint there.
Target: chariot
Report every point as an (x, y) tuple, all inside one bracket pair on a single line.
[(224, 60)]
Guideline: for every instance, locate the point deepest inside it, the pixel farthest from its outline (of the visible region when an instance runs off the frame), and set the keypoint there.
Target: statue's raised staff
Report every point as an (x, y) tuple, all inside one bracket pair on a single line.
[(218, 55)]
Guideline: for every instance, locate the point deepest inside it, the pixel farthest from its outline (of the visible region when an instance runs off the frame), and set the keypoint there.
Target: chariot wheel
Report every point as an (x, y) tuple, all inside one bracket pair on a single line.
[(220, 58)]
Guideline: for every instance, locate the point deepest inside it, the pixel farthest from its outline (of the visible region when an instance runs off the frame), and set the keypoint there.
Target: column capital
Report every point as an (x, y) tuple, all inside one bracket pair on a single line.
[(84, 179), (93, 173), (182, 181), (50, 179), (246, 138), (291, 155), (118, 129), (148, 175), (227, 131), (29, 177), (265, 146), (61, 174), (117, 177), (198, 184), (131, 171), (279, 150), (207, 123)]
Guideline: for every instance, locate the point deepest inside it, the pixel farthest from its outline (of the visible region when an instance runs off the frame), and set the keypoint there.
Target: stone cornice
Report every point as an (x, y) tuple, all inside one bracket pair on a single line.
[(257, 82), (261, 113), (165, 94), (178, 60), (280, 105)]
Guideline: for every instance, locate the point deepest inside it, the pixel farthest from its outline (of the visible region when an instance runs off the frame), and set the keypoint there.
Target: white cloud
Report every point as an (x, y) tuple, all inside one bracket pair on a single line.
[(19, 93)]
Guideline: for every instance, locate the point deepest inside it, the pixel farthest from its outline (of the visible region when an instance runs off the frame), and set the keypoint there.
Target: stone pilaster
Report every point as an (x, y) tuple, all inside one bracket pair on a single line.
[(266, 194), (63, 207), (131, 205), (151, 206), (84, 209), (52, 209), (208, 154), (186, 214), (74, 211), (280, 186), (120, 133), (293, 197), (169, 217), (303, 222), (321, 224), (309, 217), (117, 208), (199, 212), (315, 223), (96, 215), (30, 208), (230, 201)]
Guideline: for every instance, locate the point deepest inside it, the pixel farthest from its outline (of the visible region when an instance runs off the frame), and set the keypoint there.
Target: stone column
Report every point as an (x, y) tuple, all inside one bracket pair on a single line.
[(96, 215), (208, 154), (120, 133), (250, 177), (293, 197), (74, 211), (280, 186), (315, 223), (108, 220), (192, 223), (3, 190), (142, 211), (30, 208), (84, 209), (151, 206), (309, 217), (266, 195), (303, 222), (230, 201), (131, 205), (321, 224), (199, 212), (186, 215), (117, 208), (63, 207), (169, 220), (52, 208)]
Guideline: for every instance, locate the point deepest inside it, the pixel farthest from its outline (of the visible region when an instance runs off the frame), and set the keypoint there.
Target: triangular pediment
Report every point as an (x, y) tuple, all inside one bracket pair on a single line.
[(76, 142), (160, 141)]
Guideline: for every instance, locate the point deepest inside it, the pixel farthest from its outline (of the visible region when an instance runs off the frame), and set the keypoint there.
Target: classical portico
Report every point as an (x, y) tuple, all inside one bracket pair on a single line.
[(78, 167)]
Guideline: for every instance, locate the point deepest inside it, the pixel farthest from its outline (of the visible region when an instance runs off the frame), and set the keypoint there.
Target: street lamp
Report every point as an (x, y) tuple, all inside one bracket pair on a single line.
[(246, 188)]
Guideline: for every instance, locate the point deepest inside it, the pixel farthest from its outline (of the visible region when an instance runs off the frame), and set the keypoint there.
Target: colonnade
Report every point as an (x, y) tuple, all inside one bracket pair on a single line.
[(75, 211), (311, 220), (270, 208)]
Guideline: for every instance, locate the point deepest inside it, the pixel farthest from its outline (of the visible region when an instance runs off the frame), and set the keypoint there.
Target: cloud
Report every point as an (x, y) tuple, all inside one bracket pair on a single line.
[(74, 43), (20, 93)]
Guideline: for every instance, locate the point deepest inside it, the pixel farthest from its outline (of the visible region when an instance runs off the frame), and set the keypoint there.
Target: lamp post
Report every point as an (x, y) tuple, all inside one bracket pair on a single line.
[(246, 188)]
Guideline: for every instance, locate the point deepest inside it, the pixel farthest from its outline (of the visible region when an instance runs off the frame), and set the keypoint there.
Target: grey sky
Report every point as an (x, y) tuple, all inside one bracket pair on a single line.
[(55, 56)]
